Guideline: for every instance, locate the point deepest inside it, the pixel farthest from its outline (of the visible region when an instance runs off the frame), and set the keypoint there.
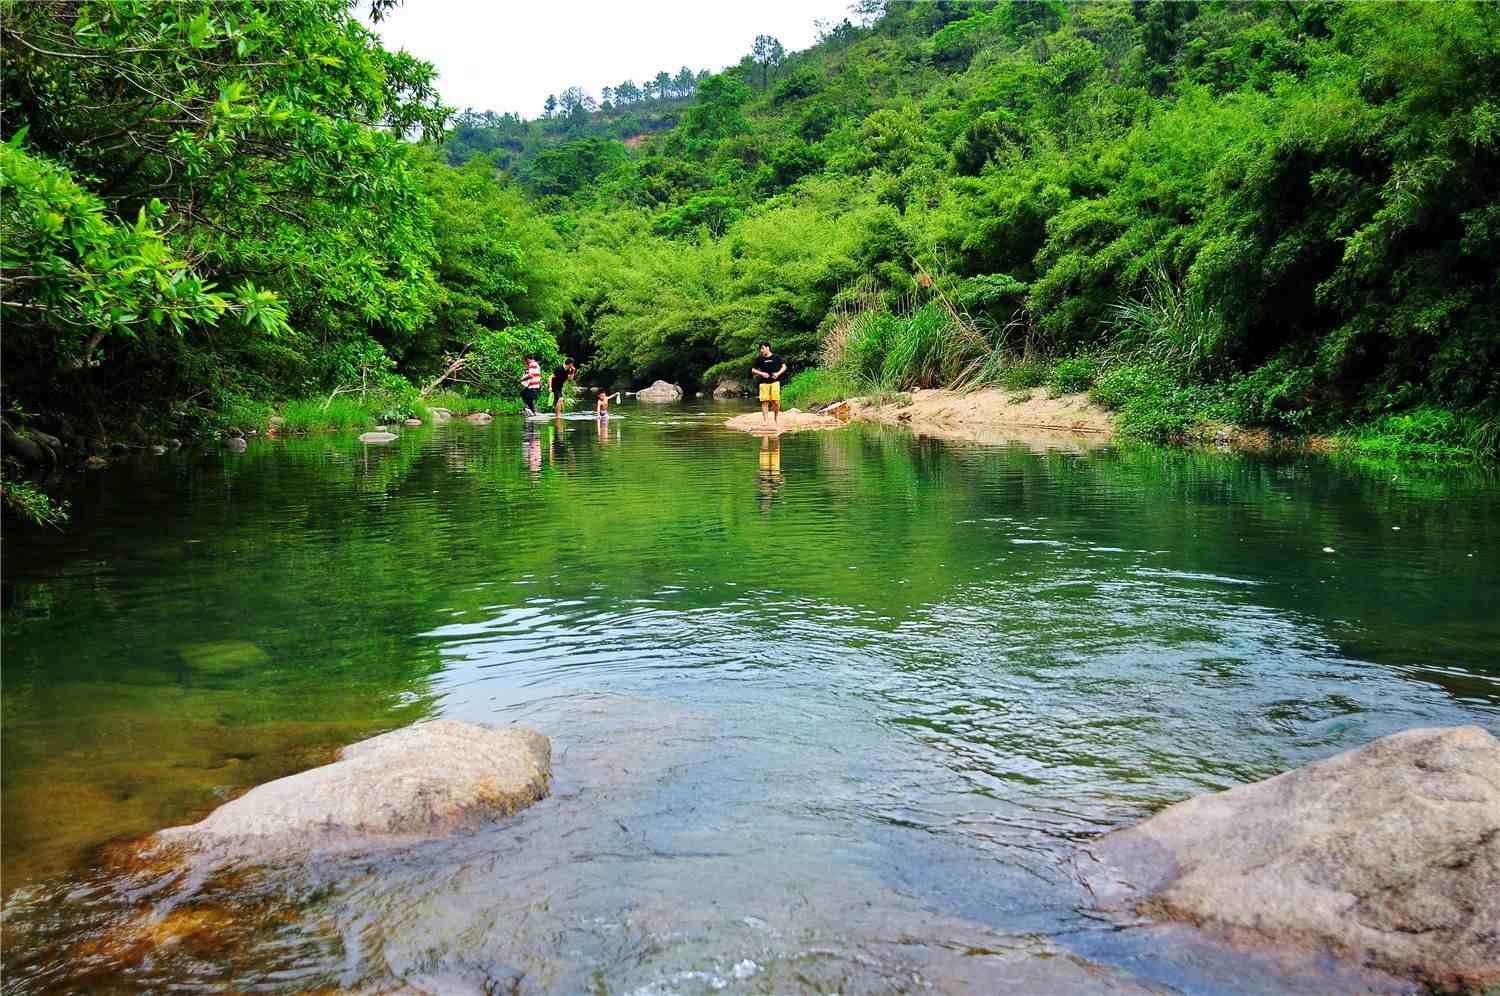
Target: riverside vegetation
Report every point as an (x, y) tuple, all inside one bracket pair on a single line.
[(1275, 215)]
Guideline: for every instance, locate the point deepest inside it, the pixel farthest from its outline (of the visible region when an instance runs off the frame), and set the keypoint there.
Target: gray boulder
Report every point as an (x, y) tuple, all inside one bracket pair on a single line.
[(377, 437), (46, 439), (479, 418), (440, 414), (729, 389), (411, 422), (1388, 854), (23, 448), (416, 783), (660, 392), (236, 444)]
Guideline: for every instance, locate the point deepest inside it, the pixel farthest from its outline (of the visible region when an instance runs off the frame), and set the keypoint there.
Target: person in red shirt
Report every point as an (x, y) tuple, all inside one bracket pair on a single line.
[(531, 384)]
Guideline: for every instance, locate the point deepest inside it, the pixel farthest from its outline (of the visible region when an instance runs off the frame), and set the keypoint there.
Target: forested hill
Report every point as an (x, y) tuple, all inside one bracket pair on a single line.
[(1268, 213), (1275, 214)]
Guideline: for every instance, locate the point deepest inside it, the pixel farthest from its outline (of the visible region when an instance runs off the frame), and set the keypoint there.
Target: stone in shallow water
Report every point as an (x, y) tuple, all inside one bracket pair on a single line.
[(420, 782), (1388, 854), (660, 392), (223, 656), (377, 437)]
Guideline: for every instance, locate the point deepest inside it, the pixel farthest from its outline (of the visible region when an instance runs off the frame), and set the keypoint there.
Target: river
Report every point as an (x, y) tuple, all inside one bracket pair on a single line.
[(828, 715)]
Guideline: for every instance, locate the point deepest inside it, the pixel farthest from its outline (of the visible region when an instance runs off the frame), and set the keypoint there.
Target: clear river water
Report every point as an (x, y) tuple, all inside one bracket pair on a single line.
[(829, 714)]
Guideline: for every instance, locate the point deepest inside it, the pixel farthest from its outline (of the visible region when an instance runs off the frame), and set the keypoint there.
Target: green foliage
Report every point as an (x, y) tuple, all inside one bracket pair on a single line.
[(1287, 215), (1276, 395), (1072, 375), (1022, 375), (716, 114), (32, 505), (69, 268), (1153, 403), (568, 168), (238, 411), (496, 359), (466, 404), (320, 414), (818, 386), (1168, 324), (1424, 432)]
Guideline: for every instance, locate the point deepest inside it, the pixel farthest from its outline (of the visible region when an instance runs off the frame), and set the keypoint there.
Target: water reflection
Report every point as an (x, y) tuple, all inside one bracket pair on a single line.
[(980, 655), (531, 444), (769, 478)]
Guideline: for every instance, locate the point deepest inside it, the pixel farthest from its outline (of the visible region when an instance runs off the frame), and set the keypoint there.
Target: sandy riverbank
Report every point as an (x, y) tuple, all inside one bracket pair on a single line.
[(977, 416), (791, 420), (964, 414)]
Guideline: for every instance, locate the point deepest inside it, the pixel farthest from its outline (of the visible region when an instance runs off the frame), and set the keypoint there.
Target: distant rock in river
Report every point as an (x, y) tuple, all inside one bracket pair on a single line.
[(377, 437), (1388, 854), (660, 392)]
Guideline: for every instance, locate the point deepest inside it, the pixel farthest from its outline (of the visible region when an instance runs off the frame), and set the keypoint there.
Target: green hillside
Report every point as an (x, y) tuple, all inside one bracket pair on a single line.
[(1280, 215)]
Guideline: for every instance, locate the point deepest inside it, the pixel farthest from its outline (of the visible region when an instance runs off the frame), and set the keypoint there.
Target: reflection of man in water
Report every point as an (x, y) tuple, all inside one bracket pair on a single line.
[(770, 479), (533, 448)]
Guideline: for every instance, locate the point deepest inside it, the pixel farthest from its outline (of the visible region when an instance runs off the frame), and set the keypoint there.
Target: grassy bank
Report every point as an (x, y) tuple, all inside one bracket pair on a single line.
[(351, 411), (1159, 374)]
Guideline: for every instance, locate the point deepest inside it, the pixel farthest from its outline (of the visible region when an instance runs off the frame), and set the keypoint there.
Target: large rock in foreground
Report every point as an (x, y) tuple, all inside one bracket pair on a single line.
[(660, 391), (1389, 854), (424, 781)]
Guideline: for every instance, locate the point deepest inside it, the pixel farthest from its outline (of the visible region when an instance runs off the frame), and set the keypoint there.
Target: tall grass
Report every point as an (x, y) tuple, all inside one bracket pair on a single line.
[(1169, 324), (314, 414), (1425, 432), (462, 404), (919, 343)]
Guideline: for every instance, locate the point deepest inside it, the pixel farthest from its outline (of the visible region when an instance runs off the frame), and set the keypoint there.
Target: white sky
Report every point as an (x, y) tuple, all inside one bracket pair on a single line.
[(508, 55)]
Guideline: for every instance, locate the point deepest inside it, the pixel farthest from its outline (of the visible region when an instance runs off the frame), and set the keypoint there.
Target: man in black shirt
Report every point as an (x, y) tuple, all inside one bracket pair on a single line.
[(769, 369), (560, 377)]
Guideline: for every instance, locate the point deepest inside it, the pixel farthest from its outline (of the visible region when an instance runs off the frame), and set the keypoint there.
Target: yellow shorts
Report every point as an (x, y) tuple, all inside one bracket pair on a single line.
[(771, 391)]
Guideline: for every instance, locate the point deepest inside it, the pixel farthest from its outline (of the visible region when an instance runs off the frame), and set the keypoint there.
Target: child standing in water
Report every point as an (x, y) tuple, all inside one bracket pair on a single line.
[(602, 406)]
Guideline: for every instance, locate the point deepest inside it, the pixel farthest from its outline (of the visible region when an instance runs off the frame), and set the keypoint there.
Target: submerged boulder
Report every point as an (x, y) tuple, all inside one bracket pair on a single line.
[(479, 418), (660, 392), (1389, 854), (377, 437), (420, 782)]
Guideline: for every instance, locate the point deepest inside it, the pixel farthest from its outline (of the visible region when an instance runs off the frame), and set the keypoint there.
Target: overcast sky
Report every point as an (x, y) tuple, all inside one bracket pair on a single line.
[(508, 55)]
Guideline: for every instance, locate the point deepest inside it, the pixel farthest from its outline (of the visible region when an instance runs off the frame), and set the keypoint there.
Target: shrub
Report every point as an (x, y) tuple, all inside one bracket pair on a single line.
[(820, 385), (31, 504), (1169, 324), (1021, 375), (236, 411), (869, 340), (314, 414), (1152, 403), (460, 403), (1425, 432), (919, 351), (1273, 395), (1072, 375)]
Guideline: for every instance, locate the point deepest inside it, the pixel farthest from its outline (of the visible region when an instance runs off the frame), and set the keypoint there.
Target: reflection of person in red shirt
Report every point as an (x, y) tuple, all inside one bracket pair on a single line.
[(533, 451), (531, 384)]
